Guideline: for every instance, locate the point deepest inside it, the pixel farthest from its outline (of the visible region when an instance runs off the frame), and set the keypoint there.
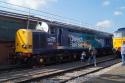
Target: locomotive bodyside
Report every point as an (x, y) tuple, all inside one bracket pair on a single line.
[(71, 38), (102, 43)]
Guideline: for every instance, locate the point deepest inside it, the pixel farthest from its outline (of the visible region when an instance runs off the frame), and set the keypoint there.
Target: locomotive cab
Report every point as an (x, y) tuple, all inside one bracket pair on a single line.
[(33, 42), (23, 42)]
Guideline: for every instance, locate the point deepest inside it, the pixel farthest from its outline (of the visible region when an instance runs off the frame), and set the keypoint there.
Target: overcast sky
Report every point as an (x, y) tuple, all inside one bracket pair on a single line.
[(104, 15)]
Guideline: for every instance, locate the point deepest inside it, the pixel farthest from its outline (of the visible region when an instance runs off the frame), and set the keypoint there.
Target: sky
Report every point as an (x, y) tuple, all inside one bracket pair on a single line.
[(103, 15)]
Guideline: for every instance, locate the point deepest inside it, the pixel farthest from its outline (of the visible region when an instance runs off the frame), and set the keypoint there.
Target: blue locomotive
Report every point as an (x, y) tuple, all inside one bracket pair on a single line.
[(57, 42)]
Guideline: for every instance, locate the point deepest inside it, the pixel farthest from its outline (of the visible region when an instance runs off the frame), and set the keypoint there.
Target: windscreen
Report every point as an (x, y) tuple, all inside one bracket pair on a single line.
[(119, 34)]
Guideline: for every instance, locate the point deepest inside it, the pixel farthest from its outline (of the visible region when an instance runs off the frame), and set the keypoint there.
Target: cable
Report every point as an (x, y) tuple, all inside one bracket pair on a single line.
[(47, 15), (39, 11), (40, 15)]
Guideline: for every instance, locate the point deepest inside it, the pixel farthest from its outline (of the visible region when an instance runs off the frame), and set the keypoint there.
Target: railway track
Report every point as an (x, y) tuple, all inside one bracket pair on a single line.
[(49, 72), (13, 68), (68, 77)]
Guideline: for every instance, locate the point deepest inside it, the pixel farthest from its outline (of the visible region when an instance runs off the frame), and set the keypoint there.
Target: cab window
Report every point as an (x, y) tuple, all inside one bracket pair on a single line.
[(117, 34)]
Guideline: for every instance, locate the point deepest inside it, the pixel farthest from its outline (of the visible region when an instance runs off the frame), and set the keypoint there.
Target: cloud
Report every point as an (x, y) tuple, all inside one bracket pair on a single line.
[(34, 4), (106, 3), (104, 24), (122, 8), (118, 13)]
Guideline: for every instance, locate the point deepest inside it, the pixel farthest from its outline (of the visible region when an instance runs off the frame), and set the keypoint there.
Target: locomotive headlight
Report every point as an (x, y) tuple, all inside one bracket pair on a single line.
[(24, 46), (41, 60)]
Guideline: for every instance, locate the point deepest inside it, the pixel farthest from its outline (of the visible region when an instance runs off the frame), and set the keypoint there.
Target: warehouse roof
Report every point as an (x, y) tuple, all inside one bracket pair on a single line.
[(66, 25)]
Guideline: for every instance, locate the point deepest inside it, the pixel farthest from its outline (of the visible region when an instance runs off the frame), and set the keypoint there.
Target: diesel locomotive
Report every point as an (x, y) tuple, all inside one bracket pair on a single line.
[(59, 43), (118, 39)]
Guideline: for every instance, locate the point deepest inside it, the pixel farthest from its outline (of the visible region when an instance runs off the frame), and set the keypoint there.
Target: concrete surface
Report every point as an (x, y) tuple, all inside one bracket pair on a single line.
[(115, 74)]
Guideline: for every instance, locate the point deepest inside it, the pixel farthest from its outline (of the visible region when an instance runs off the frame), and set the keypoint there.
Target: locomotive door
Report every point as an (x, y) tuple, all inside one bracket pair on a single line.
[(60, 36)]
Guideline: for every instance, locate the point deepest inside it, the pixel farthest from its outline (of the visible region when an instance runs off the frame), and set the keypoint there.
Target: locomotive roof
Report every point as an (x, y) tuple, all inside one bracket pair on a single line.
[(81, 29), (64, 25), (32, 30), (121, 29)]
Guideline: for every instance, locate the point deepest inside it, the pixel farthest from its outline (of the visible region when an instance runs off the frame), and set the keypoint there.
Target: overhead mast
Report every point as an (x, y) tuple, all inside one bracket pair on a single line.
[(28, 20)]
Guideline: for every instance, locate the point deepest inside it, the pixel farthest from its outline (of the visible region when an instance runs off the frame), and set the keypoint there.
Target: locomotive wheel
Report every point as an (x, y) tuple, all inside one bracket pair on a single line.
[(41, 60), (18, 60), (74, 56)]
